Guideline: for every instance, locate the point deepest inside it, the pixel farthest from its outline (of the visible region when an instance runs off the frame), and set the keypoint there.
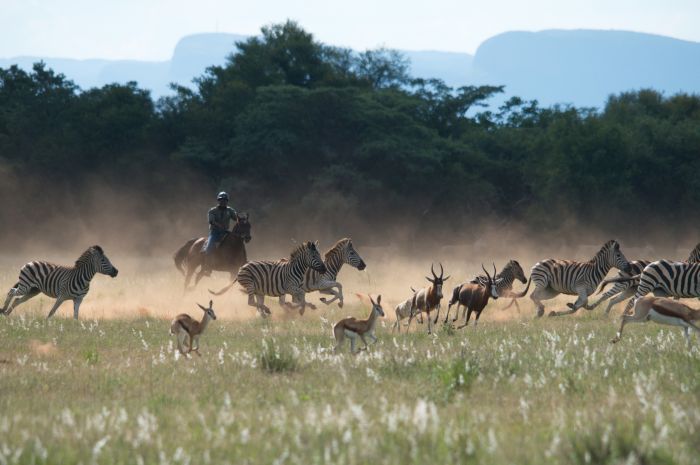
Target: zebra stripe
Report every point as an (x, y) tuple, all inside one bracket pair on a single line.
[(277, 278), (627, 289), (60, 282), (342, 252), (554, 277), (670, 279), (504, 280)]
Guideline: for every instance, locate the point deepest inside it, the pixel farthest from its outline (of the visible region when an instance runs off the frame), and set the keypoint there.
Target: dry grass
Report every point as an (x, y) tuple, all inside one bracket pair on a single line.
[(111, 388)]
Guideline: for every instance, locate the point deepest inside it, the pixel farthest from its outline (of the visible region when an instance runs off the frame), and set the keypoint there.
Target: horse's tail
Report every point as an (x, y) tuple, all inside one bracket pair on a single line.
[(181, 255), (221, 291)]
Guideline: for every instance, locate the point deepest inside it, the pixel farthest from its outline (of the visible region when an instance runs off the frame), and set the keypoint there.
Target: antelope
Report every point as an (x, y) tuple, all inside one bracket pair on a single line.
[(474, 297), (427, 299), (184, 326), (403, 310), (664, 311), (353, 328)]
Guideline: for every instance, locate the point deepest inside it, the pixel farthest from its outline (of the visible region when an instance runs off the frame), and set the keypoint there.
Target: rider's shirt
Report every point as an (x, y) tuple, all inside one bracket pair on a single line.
[(221, 216)]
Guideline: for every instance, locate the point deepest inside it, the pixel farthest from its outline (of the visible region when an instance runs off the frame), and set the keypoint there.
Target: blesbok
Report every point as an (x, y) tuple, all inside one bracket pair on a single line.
[(664, 311), (353, 328), (184, 326), (428, 298), (473, 297)]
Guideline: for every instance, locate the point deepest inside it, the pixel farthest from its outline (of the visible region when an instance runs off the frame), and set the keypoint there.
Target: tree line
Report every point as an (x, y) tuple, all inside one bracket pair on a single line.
[(321, 131)]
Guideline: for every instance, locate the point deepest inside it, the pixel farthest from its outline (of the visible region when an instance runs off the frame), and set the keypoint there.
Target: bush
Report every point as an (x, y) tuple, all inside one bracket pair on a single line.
[(274, 359)]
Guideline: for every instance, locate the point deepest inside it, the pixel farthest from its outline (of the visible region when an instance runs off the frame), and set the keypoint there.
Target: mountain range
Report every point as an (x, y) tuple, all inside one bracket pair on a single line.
[(578, 67)]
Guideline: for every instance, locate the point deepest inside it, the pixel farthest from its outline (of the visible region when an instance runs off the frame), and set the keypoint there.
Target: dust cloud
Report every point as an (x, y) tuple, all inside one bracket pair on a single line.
[(140, 229)]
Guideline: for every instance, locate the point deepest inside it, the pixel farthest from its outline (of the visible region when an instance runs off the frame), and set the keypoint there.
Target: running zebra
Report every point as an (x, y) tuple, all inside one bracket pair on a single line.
[(342, 252), (278, 278), (60, 282), (554, 277), (621, 290), (504, 282), (627, 289)]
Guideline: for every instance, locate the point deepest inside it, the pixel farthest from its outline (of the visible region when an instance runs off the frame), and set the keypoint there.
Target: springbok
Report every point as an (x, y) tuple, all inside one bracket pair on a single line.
[(184, 326), (403, 310), (353, 328), (428, 299), (664, 311), (474, 297)]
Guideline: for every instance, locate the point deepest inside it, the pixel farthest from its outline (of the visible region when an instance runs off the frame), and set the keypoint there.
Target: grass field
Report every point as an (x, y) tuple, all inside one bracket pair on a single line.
[(111, 389)]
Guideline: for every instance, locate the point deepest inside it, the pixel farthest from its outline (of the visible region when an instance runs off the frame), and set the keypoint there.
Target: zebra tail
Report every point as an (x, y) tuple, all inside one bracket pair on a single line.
[(181, 255), (219, 292), (619, 279), (517, 295)]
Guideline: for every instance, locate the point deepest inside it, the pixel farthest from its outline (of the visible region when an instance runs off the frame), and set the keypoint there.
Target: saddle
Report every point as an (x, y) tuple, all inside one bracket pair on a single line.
[(218, 243)]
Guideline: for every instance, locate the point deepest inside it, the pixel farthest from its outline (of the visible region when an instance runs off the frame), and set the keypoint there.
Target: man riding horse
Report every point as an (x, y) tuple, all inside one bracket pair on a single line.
[(219, 221)]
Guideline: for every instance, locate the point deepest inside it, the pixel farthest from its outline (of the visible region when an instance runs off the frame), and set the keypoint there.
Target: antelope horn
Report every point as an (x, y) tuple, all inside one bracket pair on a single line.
[(433, 271), (494, 270), (442, 271), (487, 273)]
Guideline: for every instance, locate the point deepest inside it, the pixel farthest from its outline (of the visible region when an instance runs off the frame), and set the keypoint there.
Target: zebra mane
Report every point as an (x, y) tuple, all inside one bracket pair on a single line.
[(337, 248), (694, 256), (611, 244), (89, 252), (299, 250)]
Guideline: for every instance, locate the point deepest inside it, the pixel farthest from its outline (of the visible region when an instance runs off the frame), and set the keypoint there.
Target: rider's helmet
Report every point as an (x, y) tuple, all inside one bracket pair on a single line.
[(222, 196)]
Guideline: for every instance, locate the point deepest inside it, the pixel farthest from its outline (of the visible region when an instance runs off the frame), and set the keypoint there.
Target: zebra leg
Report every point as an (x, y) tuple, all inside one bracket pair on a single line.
[(258, 301), (513, 301), (540, 294), (580, 302), (56, 304), (76, 307), (10, 295), (17, 301), (619, 298)]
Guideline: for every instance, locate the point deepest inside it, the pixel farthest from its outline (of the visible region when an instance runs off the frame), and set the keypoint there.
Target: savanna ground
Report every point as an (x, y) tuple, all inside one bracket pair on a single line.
[(110, 388)]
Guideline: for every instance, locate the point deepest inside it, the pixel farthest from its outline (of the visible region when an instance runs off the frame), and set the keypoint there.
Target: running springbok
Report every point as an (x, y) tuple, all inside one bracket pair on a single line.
[(184, 326), (403, 310), (664, 311), (428, 298), (353, 328)]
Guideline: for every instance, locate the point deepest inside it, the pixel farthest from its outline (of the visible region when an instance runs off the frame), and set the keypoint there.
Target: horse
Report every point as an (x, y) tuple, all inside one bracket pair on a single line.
[(228, 256)]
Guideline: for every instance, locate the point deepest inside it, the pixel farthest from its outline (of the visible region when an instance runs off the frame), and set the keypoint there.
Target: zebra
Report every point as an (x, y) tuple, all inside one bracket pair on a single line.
[(60, 282), (278, 278), (621, 290), (554, 277), (504, 281), (627, 289), (342, 252)]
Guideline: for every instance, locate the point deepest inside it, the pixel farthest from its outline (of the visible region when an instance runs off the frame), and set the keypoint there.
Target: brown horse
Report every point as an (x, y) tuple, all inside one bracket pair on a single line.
[(229, 256)]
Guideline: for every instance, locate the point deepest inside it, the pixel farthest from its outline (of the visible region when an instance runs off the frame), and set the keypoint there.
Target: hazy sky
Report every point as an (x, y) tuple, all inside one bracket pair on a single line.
[(149, 29)]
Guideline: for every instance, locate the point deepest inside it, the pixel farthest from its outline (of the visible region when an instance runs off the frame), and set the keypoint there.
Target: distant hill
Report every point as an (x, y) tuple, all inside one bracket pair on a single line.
[(581, 67)]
